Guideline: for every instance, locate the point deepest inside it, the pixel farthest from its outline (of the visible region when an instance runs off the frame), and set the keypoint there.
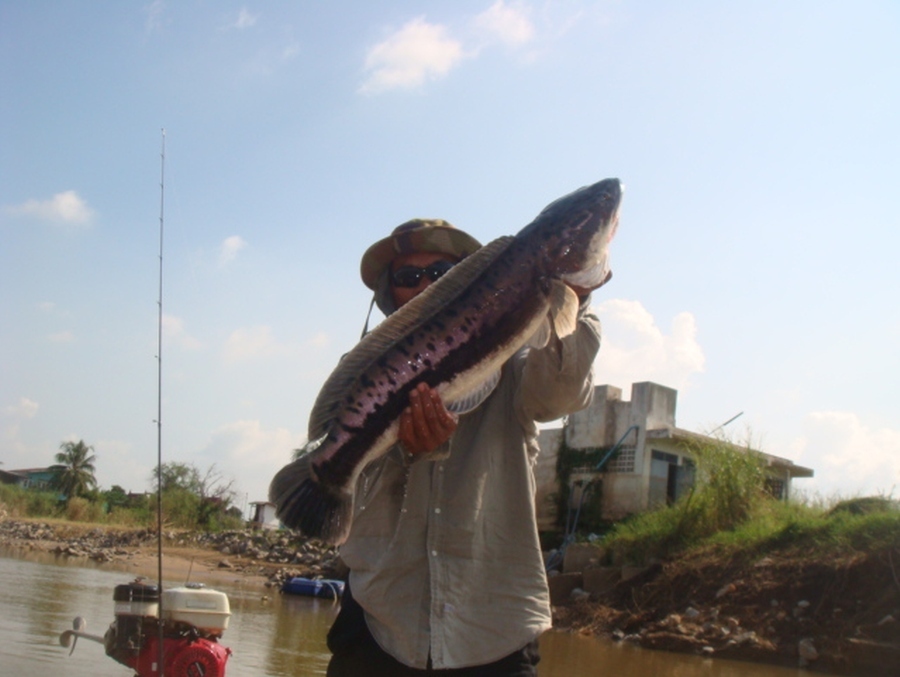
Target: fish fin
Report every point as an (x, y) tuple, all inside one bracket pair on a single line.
[(563, 308), (305, 504), (398, 325), (472, 399), (541, 336)]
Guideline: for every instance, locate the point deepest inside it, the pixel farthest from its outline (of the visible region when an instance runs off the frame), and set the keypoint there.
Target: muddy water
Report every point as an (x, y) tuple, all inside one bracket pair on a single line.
[(281, 636)]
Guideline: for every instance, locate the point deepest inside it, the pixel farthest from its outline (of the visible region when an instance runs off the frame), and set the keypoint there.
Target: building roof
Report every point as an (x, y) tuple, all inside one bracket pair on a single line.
[(682, 435)]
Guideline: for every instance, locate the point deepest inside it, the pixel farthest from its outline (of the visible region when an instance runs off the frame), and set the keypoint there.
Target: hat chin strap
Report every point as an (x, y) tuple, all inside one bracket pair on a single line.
[(368, 316)]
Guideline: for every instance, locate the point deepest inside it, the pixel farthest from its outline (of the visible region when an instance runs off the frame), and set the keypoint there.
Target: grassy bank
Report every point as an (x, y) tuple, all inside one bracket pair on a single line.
[(730, 510), (181, 509), (731, 572), (862, 525)]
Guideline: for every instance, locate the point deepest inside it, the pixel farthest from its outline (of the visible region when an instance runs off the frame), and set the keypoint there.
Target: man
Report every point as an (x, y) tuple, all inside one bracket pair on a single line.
[(446, 570)]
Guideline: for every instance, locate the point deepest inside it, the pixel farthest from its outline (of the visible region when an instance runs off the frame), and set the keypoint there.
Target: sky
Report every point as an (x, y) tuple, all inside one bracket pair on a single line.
[(754, 266)]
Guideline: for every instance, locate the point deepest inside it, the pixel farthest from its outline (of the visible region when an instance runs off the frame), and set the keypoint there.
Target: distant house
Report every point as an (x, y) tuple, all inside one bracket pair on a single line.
[(29, 478), (644, 458), (264, 515)]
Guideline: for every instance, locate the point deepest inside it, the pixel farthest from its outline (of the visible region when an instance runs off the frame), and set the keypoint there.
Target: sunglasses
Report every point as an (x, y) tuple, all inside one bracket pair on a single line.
[(411, 276)]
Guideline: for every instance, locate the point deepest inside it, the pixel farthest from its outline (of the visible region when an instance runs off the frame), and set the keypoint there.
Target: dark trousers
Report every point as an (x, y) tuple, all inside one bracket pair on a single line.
[(357, 654)]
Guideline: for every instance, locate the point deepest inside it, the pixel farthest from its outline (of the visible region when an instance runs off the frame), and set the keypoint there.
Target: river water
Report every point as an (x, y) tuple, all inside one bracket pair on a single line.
[(277, 636)]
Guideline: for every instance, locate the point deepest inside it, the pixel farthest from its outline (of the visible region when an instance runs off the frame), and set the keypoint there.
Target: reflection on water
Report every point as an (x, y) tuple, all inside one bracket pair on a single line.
[(38, 601), (284, 636), (270, 634), (568, 655)]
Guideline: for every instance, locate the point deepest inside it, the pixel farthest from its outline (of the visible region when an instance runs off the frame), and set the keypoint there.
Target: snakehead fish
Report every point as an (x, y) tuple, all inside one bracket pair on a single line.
[(454, 336)]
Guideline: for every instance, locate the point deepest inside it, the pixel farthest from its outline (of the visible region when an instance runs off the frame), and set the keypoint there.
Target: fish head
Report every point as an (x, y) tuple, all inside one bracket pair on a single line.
[(574, 233)]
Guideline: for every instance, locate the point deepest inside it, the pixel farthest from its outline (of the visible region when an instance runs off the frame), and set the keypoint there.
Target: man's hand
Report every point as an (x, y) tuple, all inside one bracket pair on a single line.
[(425, 424)]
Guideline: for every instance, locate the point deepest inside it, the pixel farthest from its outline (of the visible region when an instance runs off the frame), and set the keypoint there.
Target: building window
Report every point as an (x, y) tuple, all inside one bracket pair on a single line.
[(775, 488), (623, 461)]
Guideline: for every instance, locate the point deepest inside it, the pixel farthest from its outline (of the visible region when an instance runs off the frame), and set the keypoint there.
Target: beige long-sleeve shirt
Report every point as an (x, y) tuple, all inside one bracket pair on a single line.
[(444, 555)]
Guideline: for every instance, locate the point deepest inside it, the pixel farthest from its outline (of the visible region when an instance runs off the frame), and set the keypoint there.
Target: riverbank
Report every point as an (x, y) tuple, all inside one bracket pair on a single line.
[(794, 609), (840, 616), (259, 557)]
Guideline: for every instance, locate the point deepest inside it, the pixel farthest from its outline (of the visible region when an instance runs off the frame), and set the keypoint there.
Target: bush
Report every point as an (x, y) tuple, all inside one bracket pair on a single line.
[(81, 510), (22, 502), (183, 509), (865, 505), (729, 491), (137, 516), (729, 485), (180, 508), (772, 526)]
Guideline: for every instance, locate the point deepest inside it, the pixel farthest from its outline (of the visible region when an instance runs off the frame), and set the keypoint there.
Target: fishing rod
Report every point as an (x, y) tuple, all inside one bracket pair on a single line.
[(159, 548), (189, 620)]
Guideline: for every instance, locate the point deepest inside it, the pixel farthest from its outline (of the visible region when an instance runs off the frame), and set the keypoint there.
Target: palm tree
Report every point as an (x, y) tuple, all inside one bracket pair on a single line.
[(75, 472)]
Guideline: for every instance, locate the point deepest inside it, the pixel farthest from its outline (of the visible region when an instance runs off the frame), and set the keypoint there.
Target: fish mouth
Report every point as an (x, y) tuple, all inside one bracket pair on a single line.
[(592, 278)]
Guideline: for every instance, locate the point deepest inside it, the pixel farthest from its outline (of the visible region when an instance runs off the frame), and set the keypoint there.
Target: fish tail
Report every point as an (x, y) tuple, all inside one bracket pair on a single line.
[(305, 504)]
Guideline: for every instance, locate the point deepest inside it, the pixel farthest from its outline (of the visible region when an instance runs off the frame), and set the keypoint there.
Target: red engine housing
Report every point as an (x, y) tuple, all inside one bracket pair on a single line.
[(133, 638), (182, 657)]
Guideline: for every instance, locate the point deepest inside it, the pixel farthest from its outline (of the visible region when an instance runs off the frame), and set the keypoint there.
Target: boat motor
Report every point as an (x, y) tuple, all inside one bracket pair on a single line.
[(192, 619)]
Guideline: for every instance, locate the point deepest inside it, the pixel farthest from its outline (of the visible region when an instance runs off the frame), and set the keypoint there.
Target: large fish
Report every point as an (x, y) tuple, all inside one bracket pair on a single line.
[(454, 336)]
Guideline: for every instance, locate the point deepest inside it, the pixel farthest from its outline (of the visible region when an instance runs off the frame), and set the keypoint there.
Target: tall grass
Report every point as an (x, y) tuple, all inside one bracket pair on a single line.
[(19, 502), (729, 488), (181, 509), (82, 510), (729, 510)]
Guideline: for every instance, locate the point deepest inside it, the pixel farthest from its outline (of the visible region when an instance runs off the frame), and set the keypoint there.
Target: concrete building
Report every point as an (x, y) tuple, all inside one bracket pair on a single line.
[(644, 457), (264, 515)]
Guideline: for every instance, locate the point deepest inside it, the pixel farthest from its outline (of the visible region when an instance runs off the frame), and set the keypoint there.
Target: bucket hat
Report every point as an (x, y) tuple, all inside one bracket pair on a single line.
[(416, 235)]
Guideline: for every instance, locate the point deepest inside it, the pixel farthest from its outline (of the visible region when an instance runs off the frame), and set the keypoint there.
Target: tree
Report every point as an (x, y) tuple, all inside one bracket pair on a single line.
[(192, 498), (116, 497), (74, 474), (174, 475)]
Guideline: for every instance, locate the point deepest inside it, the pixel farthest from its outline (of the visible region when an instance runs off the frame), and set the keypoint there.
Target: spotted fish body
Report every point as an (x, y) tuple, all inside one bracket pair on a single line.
[(455, 336)]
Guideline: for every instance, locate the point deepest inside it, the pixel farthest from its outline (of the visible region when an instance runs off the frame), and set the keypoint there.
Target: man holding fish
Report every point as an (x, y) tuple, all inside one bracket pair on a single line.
[(423, 441)]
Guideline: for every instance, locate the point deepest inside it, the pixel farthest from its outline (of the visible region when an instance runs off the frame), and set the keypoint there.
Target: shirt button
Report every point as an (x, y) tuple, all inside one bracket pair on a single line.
[(437, 511), (434, 553)]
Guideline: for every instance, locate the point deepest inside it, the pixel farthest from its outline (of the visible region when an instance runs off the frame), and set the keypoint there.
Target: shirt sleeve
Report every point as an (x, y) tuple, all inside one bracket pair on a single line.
[(557, 379)]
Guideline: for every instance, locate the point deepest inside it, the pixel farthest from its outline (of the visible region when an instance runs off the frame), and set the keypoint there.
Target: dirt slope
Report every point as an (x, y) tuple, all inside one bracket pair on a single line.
[(838, 616)]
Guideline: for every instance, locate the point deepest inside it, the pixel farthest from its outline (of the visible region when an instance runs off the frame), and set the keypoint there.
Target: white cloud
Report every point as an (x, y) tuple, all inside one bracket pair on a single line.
[(244, 19), (25, 408), (15, 453), (154, 12), (175, 334), (64, 208), (65, 336), (252, 342), (251, 455), (419, 51), (509, 24), (319, 340), (635, 349), (229, 249), (849, 458)]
